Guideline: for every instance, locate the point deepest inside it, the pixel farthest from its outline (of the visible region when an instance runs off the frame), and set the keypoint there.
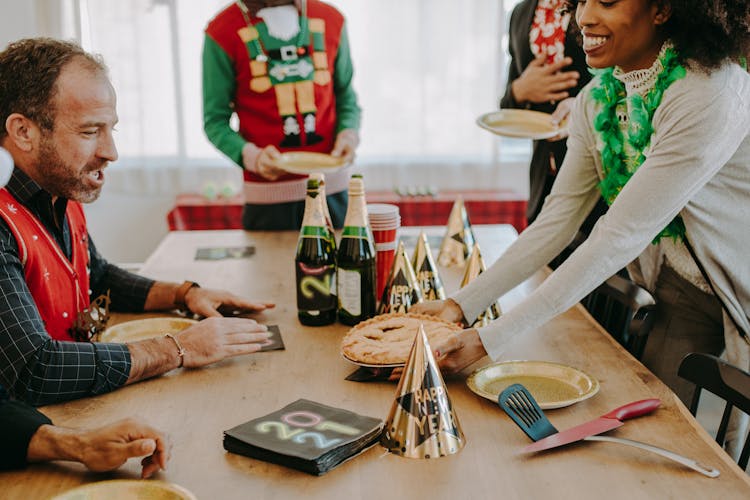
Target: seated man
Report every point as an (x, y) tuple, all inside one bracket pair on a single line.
[(29, 436), (57, 110)]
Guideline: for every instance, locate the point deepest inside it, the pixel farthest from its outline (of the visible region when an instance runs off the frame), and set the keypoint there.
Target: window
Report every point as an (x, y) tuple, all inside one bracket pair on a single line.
[(424, 70)]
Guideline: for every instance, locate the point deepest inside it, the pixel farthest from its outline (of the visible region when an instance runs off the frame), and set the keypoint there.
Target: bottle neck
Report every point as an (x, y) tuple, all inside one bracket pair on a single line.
[(314, 212), (356, 212)]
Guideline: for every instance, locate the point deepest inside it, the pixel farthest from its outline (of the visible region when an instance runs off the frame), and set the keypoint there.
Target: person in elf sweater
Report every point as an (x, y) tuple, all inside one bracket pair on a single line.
[(662, 133), (57, 110), (284, 68)]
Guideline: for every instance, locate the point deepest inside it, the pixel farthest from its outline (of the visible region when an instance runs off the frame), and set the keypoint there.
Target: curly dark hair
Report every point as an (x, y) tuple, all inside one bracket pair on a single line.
[(705, 32), (29, 69)]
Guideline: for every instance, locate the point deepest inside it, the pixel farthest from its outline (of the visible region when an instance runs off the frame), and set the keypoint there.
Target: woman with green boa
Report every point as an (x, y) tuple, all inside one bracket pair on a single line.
[(662, 133)]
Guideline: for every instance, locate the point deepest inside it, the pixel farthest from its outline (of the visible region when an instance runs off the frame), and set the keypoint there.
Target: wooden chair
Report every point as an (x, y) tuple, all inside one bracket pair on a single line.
[(726, 381), (625, 310)]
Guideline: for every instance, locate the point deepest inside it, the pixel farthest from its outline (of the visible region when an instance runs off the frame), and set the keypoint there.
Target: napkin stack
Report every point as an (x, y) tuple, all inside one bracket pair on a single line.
[(305, 435)]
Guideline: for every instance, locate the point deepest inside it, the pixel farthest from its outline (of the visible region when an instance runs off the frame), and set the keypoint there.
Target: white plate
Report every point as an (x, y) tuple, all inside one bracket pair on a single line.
[(140, 329), (519, 123), (553, 385)]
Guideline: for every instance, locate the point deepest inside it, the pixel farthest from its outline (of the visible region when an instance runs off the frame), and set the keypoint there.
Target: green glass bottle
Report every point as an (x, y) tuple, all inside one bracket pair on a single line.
[(315, 264), (356, 260)]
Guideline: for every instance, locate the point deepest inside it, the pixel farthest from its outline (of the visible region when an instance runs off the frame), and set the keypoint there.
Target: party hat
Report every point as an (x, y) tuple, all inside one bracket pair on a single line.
[(475, 267), (422, 423), (426, 271), (401, 289), (459, 238)]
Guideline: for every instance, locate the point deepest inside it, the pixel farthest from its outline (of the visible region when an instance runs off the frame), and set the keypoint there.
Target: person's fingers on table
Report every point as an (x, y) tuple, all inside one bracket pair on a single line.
[(247, 338)]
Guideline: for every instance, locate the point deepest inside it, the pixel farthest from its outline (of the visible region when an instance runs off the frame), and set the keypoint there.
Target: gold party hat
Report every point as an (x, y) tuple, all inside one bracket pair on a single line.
[(426, 271), (422, 423), (401, 290), (459, 237), (474, 267)]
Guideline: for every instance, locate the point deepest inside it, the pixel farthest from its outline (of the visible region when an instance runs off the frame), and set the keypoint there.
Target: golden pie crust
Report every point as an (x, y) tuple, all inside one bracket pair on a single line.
[(387, 339)]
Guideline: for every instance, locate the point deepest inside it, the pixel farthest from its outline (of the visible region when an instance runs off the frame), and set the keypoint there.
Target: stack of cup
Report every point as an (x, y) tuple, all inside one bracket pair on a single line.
[(384, 222)]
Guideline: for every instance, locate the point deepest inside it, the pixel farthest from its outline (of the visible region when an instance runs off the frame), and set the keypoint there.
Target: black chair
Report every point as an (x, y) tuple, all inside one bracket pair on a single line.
[(726, 381), (625, 310)]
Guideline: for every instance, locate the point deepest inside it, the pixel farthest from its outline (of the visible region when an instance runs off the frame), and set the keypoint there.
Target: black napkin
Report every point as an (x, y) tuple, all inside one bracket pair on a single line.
[(305, 435)]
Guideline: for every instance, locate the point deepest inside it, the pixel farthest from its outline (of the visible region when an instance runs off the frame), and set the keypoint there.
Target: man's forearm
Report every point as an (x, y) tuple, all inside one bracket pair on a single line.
[(152, 357), (54, 443), (161, 296)]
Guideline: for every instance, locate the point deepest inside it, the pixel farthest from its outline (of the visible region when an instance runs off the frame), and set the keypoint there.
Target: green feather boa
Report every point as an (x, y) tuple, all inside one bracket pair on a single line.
[(616, 165)]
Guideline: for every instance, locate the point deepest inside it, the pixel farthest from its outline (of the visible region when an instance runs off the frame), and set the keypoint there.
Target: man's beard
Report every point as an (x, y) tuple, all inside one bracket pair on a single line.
[(59, 179)]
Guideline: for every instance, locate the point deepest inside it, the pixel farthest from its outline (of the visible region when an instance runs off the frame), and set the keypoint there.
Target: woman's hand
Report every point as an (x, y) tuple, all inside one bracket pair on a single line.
[(459, 351), (560, 117), (446, 309)]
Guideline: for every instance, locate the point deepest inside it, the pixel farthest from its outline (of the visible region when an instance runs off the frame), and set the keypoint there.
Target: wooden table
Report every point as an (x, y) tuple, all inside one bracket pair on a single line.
[(195, 406)]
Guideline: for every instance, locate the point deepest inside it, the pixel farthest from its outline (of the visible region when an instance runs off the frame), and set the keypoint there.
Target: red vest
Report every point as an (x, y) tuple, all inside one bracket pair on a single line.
[(260, 122), (59, 287)]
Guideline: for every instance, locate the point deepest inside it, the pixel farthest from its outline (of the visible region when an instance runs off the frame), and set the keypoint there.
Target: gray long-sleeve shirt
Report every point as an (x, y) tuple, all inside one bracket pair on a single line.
[(697, 165)]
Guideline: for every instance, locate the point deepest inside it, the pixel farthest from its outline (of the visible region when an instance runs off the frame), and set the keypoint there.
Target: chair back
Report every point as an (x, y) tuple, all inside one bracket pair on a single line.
[(724, 380), (625, 309)]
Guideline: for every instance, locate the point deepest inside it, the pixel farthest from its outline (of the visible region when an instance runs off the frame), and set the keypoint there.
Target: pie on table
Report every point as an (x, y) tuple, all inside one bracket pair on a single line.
[(387, 339)]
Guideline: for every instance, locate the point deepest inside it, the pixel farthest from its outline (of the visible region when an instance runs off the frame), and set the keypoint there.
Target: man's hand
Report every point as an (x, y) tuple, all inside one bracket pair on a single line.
[(541, 82), (446, 309), (214, 339), (459, 351), (207, 302), (103, 449), (262, 161), (108, 447), (346, 144)]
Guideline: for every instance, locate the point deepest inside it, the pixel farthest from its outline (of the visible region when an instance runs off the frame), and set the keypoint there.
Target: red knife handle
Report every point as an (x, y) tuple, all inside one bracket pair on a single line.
[(634, 409)]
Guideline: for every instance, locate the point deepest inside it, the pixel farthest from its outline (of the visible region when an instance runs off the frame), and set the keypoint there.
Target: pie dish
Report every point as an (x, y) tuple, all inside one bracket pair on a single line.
[(386, 340)]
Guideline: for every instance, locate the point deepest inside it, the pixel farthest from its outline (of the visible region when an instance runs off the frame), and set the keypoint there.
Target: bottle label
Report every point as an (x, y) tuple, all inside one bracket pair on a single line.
[(355, 232), (350, 291), (316, 287)]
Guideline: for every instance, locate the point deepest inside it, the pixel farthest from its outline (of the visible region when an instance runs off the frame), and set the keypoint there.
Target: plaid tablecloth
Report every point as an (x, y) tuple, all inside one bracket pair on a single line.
[(195, 212)]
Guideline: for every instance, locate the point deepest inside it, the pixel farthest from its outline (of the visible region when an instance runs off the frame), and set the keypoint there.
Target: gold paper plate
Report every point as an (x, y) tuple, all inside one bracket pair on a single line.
[(127, 489), (519, 123), (553, 385), (305, 162), (141, 329)]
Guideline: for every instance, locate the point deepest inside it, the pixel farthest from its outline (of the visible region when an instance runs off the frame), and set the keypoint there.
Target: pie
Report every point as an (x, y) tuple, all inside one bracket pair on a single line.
[(387, 339)]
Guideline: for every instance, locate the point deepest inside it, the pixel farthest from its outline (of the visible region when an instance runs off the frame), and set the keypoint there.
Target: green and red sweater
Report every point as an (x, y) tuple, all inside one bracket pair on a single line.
[(230, 63)]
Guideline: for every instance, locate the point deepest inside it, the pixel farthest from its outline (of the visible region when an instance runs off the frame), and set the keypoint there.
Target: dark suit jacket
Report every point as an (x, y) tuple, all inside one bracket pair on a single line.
[(540, 176)]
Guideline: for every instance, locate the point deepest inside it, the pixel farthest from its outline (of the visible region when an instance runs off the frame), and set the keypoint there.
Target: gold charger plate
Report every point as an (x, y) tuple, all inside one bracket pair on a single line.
[(127, 489), (141, 329), (519, 123), (305, 162), (553, 385)]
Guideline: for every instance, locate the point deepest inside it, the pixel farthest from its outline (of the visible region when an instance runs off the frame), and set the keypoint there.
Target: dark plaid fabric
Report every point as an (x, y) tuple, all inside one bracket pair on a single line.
[(195, 212), (33, 367)]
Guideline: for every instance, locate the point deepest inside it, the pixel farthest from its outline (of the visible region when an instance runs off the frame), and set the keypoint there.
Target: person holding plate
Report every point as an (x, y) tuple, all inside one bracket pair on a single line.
[(547, 70), (662, 133), (283, 66), (58, 113)]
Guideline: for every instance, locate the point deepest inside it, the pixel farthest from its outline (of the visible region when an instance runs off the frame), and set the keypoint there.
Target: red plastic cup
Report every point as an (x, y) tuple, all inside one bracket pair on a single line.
[(384, 222)]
